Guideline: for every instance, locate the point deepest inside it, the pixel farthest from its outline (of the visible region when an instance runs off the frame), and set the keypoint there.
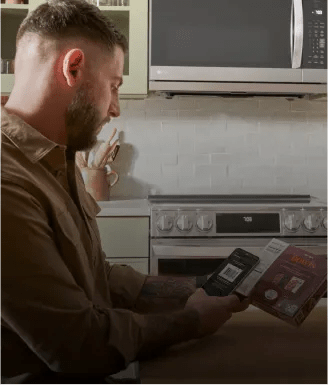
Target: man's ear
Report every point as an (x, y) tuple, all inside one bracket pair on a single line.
[(73, 65)]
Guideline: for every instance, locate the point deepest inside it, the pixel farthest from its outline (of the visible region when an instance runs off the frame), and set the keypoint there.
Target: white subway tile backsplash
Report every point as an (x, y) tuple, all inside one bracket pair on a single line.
[(274, 128), (317, 140), (293, 160), (169, 115), (249, 171), (263, 189), (160, 103), (269, 105), (315, 180), (207, 116), (316, 116), (293, 180), (186, 102), (208, 102), (134, 104), (222, 158), (170, 171), (153, 115), (204, 145), (168, 141), (138, 125), (229, 139), (193, 159), (316, 151), (208, 147), (289, 116), (186, 145), (271, 147), (242, 128), (240, 106), (186, 171), (211, 171), (168, 186), (187, 127), (203, 174), (263, 181), (300, 105), (222, 184), (169, 159), (186, 182), (208, 129), (186, 115)]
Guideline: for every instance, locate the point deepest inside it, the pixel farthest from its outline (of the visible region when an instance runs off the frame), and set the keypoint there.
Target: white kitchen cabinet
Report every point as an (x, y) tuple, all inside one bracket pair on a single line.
[(131, 19), (125, 240), (11, 18)]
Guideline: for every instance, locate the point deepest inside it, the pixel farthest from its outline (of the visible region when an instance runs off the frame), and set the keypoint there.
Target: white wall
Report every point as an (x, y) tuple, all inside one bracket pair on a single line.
[(216, 145)]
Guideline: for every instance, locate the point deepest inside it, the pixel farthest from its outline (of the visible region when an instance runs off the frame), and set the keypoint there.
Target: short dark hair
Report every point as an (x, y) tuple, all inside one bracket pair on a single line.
[(62, 19)]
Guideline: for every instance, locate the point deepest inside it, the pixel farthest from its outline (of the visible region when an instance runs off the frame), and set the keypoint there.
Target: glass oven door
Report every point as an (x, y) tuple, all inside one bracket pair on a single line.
[(196, 257)]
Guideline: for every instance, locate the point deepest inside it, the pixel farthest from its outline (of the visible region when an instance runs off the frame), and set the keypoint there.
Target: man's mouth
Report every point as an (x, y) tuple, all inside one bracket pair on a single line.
[(105, 121)]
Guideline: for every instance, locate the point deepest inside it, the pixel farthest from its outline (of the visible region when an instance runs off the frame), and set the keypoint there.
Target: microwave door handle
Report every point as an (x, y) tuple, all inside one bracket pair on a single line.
[(292, 32), (297, 33)]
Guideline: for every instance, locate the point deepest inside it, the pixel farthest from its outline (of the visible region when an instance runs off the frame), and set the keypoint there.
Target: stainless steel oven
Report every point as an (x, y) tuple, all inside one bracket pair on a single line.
[(191, 235)]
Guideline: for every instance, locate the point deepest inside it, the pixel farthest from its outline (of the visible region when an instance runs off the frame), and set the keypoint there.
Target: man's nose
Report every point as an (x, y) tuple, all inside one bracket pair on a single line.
[(114, 109)]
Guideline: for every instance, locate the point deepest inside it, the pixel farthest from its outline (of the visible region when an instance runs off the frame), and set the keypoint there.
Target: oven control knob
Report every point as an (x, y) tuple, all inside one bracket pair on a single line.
[(311, 222), (204, 223), (292, 221), (324, 222), (184, 223), (164, 223)]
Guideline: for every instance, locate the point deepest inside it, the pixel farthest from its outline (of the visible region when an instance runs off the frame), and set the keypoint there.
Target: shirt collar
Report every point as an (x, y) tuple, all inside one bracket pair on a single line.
[(31, 142)]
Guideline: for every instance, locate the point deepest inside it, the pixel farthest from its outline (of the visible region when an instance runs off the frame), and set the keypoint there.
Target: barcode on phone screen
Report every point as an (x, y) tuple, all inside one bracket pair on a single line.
[(230, 272)]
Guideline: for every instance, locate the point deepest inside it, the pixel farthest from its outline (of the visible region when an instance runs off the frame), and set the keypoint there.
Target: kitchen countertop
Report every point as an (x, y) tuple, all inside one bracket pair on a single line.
[(124, 207), (252, 347)]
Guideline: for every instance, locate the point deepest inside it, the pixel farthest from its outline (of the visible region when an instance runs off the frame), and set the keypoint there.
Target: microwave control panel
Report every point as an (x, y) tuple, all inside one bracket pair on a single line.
[(315, 34)]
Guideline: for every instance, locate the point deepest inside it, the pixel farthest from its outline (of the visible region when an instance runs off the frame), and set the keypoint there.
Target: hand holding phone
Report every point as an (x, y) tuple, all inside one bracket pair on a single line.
[(213, 311)]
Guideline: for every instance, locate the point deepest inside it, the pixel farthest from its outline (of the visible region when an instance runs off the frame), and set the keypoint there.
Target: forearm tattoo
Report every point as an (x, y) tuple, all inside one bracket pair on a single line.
[(161, 294)]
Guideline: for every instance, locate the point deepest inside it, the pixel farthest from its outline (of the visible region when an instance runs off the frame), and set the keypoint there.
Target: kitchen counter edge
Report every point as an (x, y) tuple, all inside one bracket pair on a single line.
[(124, 208)]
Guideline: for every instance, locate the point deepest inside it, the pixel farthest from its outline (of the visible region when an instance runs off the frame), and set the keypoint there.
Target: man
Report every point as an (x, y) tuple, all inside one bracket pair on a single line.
[(67, 315)]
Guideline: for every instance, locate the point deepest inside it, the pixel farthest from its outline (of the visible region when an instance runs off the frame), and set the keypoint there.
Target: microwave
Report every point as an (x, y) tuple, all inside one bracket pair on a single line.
[(238, 46)]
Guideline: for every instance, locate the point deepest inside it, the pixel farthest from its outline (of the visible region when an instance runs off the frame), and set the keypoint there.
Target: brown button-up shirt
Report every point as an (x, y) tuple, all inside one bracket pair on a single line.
[(64, 308)]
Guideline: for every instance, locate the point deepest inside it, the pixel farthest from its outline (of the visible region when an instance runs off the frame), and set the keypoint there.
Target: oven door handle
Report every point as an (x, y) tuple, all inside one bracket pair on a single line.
[(178, 251), (203, 251)]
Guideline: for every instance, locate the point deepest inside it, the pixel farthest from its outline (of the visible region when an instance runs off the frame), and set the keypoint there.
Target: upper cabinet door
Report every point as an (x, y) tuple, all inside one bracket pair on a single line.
[(130, 16), (132, 20)]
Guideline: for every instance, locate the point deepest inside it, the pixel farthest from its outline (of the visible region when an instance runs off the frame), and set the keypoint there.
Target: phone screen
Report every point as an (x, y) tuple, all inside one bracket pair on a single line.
[(230, 273)]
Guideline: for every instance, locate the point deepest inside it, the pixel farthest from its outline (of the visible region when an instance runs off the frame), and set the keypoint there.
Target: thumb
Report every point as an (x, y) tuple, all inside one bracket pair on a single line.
[(234, 304)]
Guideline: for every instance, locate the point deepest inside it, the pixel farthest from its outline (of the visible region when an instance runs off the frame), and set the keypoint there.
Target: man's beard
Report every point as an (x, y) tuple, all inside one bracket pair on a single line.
[(82, 121)]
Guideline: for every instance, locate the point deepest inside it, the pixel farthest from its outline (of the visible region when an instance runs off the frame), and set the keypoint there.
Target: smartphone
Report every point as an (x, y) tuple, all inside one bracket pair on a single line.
[(230, 273)]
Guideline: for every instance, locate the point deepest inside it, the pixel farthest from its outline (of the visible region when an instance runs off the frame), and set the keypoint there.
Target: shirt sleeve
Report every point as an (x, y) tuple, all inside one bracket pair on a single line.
[(44, 305), (125, 284)]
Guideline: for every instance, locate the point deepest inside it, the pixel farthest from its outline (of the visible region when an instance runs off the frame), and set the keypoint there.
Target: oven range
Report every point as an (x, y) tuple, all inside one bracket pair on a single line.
[(193, 234)]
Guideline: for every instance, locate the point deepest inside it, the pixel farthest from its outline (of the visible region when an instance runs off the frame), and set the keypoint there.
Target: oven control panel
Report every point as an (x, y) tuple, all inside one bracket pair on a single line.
[(298, 222)]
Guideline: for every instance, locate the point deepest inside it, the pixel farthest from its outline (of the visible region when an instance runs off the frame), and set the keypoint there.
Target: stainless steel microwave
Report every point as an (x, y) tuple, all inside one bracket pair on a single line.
[(238, 46)]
